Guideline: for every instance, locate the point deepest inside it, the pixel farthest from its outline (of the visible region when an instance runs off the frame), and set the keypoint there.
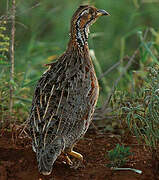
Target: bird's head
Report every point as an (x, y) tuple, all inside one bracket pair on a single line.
[(82, 19)]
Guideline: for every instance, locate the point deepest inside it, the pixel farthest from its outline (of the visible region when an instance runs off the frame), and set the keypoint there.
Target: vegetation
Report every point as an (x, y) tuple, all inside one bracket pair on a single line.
[(142, 114), (118, 156), (42, 30), (124, 48)]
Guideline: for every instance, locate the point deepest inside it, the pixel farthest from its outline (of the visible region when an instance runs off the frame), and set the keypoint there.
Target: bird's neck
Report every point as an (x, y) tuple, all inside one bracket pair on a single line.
[(78, 40), (79, 34)]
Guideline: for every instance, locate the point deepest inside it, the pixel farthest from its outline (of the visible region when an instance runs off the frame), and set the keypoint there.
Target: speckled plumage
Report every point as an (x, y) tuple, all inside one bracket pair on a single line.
[(64, 98)]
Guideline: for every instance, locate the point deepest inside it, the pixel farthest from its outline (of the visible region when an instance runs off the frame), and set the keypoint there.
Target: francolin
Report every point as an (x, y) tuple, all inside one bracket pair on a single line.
[(65, 96)]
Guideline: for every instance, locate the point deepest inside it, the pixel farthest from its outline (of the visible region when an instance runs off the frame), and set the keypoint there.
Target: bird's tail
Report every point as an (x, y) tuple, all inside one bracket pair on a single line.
[(45, 163), (48, 155)]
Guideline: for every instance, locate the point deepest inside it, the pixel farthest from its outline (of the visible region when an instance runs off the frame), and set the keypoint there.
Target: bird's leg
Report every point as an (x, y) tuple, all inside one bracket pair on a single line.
[(68, 160), (76, 155), (75, 164)]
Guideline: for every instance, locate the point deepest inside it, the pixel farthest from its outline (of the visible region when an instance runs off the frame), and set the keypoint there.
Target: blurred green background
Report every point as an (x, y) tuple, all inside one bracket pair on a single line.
[(42, 34)]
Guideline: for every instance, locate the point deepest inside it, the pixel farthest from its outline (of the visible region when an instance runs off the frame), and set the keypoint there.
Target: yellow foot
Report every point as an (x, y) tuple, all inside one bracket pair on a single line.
[(76, 155), (78, 161), (68, 160)]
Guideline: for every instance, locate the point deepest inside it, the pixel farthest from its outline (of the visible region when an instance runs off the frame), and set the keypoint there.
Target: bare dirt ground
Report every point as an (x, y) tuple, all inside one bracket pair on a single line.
[(18, 161)]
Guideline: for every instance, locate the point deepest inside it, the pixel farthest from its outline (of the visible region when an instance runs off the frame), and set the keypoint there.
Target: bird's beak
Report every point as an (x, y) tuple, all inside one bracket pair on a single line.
[(101, 12)]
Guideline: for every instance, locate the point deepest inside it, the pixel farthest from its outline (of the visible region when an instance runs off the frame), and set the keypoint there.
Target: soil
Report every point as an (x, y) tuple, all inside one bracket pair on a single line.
[(18, 161)]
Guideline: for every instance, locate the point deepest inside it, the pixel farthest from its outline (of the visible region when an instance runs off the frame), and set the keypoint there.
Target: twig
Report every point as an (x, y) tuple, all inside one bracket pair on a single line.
[(119, 78), (12, 57), (96, 128), (128, 169), (21, 24), (104, 107), (109, 70), (24, 125), (9, 12), (29, 9)]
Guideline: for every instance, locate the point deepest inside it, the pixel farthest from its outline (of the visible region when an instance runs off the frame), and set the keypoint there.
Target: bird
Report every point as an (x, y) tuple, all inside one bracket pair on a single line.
[(65, 96)]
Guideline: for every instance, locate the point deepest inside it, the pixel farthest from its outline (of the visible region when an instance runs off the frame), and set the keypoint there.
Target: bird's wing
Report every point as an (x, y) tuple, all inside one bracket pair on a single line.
[(61, 100)]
